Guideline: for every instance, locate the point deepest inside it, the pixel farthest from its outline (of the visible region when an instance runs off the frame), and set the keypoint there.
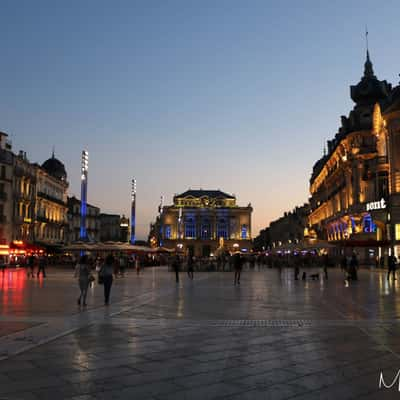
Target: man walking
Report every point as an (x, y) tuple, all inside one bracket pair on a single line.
[(190, 266), (176, 264), (237, 265), (392, 261), (31, 265), (41, 266)]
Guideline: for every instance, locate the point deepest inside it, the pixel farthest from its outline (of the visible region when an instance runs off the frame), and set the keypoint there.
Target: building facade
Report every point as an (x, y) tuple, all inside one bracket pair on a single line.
[(114, 228), (286, 230), (51, 208), (24, 199), (6, 190), (355, 187), (201, 221), (93, 222)]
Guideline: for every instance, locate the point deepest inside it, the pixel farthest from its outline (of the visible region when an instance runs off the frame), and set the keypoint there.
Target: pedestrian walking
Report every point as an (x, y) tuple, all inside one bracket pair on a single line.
[(190, 266), (31, 265), (392, 261), (176, 265), (106, 275), (353, 267), (237, 265), (137, 265), (123, 261), (326, 262), (82, 272), (296, 272), (343, 264), (41, 266), (3, 263)]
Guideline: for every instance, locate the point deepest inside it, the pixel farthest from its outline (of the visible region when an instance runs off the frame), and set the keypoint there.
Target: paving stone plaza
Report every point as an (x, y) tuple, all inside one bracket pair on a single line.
[(270, 338)]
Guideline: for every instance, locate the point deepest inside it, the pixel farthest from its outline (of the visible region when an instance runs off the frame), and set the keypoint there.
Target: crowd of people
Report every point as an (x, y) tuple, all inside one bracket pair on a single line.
[(105, 269)]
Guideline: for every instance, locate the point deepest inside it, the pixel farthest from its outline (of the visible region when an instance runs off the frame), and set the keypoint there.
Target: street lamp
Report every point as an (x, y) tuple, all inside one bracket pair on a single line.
[(84, 182), (133, 210), (180, 223), (161, 209)]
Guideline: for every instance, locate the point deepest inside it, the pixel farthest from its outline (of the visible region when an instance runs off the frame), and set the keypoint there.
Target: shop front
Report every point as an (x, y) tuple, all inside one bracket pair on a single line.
[(365, 231)]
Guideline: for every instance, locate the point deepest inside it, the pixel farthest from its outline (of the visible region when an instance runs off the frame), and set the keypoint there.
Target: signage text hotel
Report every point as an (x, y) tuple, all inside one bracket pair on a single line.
[(376, 205)]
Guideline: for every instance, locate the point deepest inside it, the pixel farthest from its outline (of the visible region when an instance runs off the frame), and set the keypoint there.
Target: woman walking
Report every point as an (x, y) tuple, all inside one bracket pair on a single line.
[(106, 274), (82, 271), (190, 266)]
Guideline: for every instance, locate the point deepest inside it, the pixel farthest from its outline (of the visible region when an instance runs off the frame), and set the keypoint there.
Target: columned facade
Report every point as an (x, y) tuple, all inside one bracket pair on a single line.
[(201, 221)]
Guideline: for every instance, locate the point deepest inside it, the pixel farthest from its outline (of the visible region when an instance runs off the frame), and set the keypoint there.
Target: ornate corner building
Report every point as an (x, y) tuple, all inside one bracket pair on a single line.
[(201, 221), (355, 186)]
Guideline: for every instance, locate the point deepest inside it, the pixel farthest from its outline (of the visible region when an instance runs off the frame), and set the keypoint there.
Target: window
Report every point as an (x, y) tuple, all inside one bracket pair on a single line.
[(222, 229), (205, 230), (397, 232), (190, 229), (243, 232), (3, 172), (167, 231)]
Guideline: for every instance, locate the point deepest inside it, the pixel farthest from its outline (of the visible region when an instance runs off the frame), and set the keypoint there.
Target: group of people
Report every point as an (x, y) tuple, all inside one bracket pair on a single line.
[(237, 260), (350, 267), (83, 272), (40, 261)]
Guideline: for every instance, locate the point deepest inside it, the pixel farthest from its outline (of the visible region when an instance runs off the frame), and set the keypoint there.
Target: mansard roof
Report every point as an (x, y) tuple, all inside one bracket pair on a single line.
[(209, 193)]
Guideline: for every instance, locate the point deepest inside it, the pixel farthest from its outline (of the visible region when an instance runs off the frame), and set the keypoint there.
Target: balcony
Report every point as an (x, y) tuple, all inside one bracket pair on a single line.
[(51, 198), (382, 160), (40, 218)]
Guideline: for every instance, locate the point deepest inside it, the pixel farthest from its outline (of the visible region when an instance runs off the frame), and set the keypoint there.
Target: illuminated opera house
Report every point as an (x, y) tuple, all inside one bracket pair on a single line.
[(201, 221)]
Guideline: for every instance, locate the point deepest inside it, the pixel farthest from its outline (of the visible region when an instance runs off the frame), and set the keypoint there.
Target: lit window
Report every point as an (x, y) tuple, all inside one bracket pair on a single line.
[(190, 229), (205, 230), (168, 232), (222, 229), (397, 231), (244, 232)]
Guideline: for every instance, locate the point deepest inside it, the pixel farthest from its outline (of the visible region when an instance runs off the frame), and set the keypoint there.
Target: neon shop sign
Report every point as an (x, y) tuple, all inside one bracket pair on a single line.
[(376, 205)]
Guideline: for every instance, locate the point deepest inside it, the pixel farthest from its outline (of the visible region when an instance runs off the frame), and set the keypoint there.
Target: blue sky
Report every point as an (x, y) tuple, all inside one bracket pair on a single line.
[(235, 95)]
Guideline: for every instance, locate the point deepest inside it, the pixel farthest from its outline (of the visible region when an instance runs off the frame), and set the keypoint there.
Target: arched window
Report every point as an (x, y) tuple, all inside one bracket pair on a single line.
[(190, 229), (244, 232), (222, 229), (205, 229)]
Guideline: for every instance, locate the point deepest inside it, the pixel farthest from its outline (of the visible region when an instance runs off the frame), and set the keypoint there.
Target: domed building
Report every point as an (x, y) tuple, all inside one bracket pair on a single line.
[(51, 202), (55, 168), (355, 187)]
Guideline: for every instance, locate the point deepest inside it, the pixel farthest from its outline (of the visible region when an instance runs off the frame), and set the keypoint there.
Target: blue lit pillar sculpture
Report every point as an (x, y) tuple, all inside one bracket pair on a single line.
[(84, 177), (133, 210), (161, 209)]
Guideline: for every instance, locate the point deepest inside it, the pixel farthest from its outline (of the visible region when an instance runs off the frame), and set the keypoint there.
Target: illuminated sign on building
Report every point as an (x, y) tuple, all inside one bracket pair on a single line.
[(376, 205)]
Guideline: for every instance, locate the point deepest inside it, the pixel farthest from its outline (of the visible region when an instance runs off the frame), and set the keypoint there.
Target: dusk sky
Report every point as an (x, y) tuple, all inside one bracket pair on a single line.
[(233, 95)]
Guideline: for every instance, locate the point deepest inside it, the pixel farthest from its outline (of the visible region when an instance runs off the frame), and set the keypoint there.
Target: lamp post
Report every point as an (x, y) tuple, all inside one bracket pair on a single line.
[(180, 223), (84, 178), (133, 210), (161, 209)]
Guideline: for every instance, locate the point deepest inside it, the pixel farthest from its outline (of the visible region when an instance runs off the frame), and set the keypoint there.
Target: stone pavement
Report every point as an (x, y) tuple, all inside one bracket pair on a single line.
[(269, 338)]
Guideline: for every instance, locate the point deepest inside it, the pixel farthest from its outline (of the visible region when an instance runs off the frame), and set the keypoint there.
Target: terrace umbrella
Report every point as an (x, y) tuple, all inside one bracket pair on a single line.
[(164, 250), (77, 246)]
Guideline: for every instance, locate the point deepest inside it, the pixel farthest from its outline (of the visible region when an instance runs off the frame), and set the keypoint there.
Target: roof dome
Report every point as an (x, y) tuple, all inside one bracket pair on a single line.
[(55, 168)]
